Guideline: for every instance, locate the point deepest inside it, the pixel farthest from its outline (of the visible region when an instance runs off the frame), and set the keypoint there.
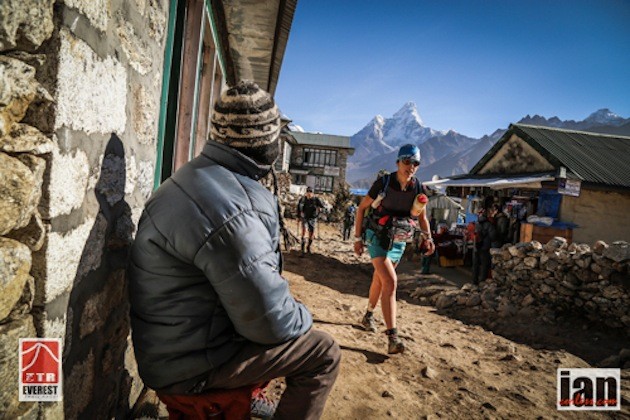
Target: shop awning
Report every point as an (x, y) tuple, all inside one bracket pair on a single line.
[(497, 183)]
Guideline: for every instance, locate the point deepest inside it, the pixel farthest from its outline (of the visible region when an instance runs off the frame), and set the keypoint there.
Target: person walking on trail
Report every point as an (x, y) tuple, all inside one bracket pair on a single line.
[(442, 234), (502, 223), (348, 221), (486, 237), (388, 227), (209, 306), (308, 212)]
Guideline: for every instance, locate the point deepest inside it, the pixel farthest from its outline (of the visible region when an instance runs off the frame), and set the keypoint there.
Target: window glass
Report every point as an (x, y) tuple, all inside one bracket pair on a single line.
[(320, 157)]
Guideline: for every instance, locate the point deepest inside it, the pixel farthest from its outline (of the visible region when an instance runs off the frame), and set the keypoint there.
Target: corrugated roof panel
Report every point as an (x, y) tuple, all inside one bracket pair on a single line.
[(594, 157), (317, 139)]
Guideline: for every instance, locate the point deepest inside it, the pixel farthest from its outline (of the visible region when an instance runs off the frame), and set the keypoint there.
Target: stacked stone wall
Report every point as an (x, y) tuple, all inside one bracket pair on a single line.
[(24, 152), (574, 279), (549, 281), (80, 84)]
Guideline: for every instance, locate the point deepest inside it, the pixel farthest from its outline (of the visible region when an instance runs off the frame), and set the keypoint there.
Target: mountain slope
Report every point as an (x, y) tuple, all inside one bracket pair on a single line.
[(459, 162), (447, 153), (431, 151)]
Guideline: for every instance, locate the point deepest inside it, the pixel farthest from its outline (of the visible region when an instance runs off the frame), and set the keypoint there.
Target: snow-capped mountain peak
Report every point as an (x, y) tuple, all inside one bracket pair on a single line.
[(604, 116), (295, 127), (408, 114), (378, 120), (385, 135)]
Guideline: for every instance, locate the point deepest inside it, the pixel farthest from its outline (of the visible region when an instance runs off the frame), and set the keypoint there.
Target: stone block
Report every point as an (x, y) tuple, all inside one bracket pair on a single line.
[(618, 251), (98, 308), (473, 300), (91, 91), (32, 235), (25, 303), (134, 47), (64, 252), (19, 194), (68, 183), (15, 264), (612, 292), (23, 138), (157, 20), (556, 243), (79, 383), (146, 171), (131, 366), (528, 300), (19, 88), (599, 247), (56, 328), (37, 166), (25, 24), (10, 333), (97, 12), (145, 111), (445, 301), (530, 262)]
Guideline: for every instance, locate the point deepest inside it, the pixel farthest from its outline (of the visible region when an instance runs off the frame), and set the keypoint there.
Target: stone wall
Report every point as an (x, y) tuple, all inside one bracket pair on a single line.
[(80, 85), (594, 283), (551, 280), (24, 151)]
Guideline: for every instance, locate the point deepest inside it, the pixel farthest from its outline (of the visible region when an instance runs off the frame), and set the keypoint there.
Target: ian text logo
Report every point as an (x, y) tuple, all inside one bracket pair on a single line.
[(588, 389)]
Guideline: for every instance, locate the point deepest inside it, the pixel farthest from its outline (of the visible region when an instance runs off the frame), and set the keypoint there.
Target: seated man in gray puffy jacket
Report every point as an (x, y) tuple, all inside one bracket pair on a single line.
[(209, 307)]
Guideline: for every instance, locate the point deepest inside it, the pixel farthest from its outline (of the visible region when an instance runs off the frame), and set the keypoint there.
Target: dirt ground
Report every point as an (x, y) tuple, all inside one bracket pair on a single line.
[(465, 364)]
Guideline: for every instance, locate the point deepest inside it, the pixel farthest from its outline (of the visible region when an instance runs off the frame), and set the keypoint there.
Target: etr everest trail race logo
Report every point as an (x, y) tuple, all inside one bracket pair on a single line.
[(40, 369)]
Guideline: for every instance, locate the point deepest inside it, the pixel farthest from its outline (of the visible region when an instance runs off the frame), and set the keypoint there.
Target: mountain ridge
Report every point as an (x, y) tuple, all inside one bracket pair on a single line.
[(445, 153)]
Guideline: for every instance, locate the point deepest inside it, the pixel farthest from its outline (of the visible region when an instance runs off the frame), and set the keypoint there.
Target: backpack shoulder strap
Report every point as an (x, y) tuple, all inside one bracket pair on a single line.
[(385, 183)]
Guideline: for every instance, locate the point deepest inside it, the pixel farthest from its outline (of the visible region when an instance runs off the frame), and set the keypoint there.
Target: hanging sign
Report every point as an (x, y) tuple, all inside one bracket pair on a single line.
[(569, 187)]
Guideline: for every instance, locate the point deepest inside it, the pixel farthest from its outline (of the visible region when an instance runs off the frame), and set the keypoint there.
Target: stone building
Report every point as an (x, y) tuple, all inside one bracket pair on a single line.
[(319, 160), (579, 179), (100, 102)]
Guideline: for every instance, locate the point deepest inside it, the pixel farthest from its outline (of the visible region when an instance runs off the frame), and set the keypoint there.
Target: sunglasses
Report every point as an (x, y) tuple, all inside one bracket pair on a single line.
[(410, 162)]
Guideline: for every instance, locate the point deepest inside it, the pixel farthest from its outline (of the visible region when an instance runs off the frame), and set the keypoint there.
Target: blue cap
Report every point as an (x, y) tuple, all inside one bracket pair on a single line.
[(409, 151)]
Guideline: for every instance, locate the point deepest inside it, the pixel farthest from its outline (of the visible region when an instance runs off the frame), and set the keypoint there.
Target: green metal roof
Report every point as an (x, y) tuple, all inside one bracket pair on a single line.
[(591, 157), (318, 139)]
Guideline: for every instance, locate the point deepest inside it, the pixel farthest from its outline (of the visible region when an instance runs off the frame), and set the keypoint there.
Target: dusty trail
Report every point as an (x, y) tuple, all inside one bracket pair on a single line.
[(451, 369)]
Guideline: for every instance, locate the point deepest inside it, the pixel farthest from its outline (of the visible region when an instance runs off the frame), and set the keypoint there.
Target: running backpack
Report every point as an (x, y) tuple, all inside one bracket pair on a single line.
[(369, 216), (388, 229)]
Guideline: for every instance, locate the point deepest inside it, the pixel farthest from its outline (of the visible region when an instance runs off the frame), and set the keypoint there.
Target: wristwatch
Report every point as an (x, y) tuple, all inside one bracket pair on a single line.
[(358, 239)]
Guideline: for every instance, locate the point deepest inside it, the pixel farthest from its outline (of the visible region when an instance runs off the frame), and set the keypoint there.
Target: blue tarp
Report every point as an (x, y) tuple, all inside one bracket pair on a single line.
[(359, 191), (549, 203)]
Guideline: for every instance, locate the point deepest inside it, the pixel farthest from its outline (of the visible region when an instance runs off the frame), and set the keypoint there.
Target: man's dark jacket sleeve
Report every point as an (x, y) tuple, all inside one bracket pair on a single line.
[(241, 266)]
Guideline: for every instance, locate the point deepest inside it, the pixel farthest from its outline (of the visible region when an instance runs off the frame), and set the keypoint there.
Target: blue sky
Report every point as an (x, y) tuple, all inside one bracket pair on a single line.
[(472, 66)]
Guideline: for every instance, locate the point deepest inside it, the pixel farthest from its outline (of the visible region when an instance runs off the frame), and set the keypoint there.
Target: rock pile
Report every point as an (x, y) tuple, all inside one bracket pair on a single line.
[(550, 280)]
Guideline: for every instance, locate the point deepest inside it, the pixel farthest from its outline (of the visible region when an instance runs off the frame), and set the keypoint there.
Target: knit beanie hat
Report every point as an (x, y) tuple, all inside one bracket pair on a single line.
[(246, 118)]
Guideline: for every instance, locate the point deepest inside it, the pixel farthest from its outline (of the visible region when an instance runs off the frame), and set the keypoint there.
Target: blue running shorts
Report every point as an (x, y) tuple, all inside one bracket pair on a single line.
[(376, 250)]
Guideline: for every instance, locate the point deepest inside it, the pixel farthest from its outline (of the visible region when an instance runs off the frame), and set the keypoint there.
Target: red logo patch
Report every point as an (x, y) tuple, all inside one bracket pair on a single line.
[(40, 369)]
